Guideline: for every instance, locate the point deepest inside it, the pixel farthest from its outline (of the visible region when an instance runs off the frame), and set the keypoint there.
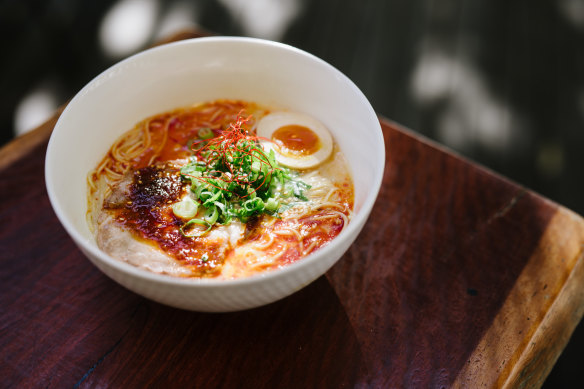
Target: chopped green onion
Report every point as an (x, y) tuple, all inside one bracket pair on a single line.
[(196, 232), (233, 177), (255, 205), (272, 204), (205, 133), (186, 208), (211, 215)]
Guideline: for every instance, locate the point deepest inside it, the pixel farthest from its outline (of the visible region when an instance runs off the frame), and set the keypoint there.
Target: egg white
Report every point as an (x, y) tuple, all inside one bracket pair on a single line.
[(272, 122)]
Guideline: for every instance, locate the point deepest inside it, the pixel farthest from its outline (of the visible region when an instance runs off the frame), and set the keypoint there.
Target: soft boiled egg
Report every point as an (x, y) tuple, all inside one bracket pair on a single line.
[(298, 140)]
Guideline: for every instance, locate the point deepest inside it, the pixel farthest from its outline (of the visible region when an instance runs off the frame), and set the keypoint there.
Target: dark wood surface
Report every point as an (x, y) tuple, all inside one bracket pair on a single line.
[(460, 278)]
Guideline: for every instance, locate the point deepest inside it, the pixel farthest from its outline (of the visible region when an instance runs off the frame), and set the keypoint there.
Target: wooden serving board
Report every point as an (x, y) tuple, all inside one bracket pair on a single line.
[(460, 278)]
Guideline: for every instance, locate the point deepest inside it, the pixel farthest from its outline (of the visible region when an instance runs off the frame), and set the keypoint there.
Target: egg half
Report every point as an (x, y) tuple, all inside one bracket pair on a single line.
[(298, 140)]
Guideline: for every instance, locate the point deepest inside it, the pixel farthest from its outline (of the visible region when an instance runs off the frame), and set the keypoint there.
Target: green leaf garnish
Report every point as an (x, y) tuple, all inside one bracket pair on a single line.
[(232, 176)]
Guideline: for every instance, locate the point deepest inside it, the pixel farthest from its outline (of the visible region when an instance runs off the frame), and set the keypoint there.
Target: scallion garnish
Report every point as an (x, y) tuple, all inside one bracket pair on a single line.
[(205, 133), (232, 176), (186, 208)]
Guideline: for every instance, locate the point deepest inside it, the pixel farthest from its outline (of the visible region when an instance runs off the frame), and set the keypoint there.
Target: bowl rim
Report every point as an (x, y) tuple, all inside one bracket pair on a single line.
[(352, 230)]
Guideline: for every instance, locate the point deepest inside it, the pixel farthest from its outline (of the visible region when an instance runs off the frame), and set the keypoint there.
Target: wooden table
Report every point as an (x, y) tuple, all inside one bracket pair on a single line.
[(460, 278)]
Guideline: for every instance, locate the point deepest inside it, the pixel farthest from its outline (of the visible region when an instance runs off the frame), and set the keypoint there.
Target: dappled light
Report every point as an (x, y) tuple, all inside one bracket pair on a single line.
[(127, 27), (267, 19), (34, 108), (471, 115)]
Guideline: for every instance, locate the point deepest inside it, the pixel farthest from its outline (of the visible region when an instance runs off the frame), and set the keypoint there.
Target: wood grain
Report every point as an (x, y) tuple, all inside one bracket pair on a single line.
[(21, 146), (539, 314), (460, 278)]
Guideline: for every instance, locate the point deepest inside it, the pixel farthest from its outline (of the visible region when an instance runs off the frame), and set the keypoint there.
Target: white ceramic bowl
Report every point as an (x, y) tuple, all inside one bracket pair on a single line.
[(203, 69)]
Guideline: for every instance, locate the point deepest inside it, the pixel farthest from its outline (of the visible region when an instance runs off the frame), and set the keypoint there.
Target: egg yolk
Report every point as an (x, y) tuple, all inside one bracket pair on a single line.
[(297, 140)]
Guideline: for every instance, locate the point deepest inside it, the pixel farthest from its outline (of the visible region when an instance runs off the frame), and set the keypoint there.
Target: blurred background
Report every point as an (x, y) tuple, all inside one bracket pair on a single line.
[(498, 81)]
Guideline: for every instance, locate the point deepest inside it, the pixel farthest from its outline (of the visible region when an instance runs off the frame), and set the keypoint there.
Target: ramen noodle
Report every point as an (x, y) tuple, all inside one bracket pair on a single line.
[(222, 189)]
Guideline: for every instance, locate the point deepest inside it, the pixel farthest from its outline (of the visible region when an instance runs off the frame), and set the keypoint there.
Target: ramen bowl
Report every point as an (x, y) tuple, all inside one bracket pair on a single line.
[(204, 69)]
